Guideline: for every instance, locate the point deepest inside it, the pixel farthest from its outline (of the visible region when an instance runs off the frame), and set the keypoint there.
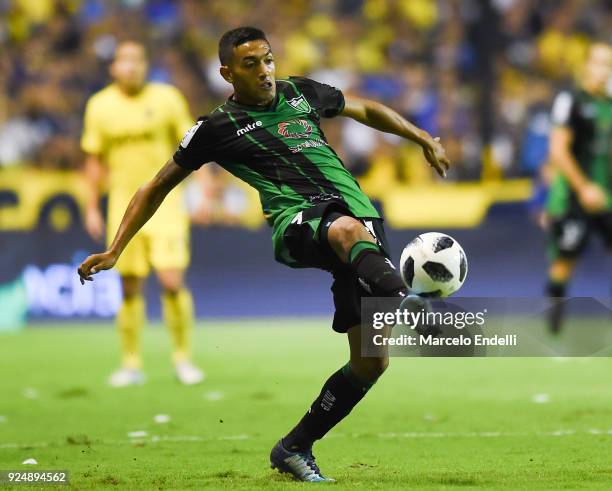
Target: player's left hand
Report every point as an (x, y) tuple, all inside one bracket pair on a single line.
[(436, 156), (94, 264), (592, 198)]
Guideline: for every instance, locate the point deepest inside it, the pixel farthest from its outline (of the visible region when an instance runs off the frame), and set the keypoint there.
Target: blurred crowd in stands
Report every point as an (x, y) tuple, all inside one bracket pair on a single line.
[(471, 71)]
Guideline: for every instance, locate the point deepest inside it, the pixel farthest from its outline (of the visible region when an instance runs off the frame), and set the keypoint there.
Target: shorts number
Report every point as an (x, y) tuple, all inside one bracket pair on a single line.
[(571, 234)]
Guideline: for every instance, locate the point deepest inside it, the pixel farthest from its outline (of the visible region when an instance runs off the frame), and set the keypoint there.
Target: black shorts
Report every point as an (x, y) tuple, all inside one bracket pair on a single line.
[(305, 242), (570, 234)]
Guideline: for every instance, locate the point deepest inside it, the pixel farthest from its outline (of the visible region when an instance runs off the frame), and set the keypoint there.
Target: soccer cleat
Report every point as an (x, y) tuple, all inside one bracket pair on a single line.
[(416, 303), (301, 465), (188, 374), (124, 377)]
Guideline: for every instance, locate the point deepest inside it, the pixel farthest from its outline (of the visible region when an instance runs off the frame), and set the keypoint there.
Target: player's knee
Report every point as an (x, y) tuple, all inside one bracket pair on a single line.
[(171, 282), (172, 288), (348, 230), (132, 286), (344, 233)]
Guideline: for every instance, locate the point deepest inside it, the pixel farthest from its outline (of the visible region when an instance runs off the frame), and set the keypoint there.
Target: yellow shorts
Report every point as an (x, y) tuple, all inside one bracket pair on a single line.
[(162, 244)]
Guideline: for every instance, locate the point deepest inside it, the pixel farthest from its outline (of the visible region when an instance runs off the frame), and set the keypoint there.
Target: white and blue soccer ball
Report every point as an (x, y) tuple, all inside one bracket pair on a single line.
[(433, 265)]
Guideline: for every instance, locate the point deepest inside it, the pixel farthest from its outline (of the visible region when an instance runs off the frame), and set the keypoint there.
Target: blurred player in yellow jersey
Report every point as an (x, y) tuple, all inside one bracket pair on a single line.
[(130, 126)]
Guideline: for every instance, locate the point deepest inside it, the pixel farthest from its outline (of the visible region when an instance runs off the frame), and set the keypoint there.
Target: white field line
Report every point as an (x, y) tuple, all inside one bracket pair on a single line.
[(407, 435)]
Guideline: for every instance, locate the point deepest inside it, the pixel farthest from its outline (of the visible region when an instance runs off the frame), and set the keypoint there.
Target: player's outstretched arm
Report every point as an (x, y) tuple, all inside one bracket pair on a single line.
[(142, 207), (383, 118)]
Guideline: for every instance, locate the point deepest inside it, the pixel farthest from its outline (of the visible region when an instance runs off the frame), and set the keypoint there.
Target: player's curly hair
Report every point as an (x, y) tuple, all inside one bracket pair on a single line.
[(236, 37)]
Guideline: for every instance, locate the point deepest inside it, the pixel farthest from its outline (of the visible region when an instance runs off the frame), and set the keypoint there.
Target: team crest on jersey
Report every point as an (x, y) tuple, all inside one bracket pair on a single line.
[(296, 128), (300, 104)]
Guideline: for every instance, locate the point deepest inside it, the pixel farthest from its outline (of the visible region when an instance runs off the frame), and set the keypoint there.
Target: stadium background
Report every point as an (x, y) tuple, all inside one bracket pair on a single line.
[(480, 74)]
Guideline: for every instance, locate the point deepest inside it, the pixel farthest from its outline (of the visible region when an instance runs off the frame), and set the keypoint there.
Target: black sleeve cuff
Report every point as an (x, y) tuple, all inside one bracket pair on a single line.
[(332, 112), (180, 159)]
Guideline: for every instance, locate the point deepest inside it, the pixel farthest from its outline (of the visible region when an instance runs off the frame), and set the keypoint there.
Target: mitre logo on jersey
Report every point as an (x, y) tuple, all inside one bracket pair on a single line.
[(296, 128), (300, 104), (249, 127)]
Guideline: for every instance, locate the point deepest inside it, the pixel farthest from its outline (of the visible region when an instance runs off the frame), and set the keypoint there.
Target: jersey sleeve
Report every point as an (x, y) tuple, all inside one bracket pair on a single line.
[(328, 101), (181, 118), (196, 147), (92, 140), (563, 110)]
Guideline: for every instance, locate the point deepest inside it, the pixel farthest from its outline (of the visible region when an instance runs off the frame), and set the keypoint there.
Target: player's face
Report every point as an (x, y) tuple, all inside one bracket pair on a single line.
[(252, 73), (598, 68), (129, 68)]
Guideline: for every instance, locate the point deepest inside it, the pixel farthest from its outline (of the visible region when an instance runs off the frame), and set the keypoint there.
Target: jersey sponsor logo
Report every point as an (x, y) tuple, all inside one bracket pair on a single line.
[(189, 135), (299, 128), (308, 144), (249, 127), (296, 128), (300, 104)]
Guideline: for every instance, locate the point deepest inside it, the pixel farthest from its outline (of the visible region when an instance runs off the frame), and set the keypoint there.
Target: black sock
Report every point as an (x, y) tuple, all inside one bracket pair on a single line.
[(376, 270), (342, 391), (556, 288)]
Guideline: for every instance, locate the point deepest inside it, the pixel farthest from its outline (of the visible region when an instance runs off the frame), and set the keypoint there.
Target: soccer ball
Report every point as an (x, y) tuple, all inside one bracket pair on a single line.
[(433, 265)]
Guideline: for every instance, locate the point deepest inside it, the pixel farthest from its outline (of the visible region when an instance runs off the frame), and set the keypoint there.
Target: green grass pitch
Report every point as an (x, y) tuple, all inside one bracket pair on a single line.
[(428, 423)]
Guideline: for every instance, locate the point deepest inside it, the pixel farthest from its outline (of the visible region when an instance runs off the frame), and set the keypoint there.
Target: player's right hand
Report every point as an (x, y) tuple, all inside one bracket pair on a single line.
[(94, 264), (592, 198), (94, 223), (436, 156)]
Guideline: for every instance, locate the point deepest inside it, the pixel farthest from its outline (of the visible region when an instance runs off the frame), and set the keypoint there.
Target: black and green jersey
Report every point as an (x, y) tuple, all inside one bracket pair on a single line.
[(590, 120), (281, 151)]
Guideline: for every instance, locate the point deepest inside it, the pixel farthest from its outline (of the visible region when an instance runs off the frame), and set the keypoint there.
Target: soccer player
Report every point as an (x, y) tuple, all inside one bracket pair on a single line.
[(130, 125), (268, 134), (580, 197)]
